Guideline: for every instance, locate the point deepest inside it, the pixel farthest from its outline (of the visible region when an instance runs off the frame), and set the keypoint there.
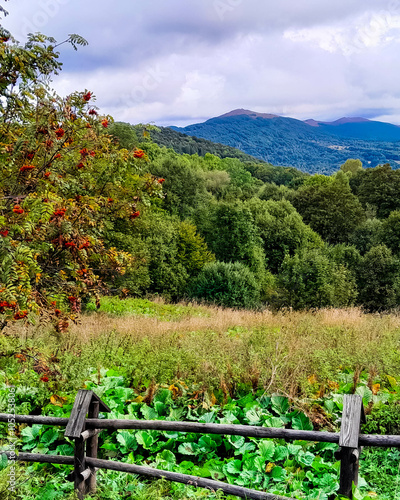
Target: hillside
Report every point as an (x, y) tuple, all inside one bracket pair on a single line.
[(310, 146), (182, 143)]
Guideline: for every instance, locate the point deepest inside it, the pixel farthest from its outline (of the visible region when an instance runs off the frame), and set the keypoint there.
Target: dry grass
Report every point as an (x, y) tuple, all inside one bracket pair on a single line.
[(225, 348)]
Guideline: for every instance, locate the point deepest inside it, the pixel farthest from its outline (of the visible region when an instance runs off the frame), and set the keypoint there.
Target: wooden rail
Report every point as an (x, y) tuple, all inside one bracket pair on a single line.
[(84, 430)]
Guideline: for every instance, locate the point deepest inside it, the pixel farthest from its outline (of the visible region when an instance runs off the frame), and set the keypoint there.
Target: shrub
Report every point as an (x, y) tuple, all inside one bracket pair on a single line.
[(227, 284)]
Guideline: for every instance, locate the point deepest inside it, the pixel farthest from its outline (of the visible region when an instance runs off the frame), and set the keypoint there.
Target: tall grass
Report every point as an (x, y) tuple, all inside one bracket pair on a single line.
[(221, 350)]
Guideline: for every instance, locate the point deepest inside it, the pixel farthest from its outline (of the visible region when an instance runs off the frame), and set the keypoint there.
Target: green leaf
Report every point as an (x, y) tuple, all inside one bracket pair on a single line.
[(278, 473), (145, 439), (267, 450), (301, 422), (65, 449), (207, 418), (234, 467), (280, 404), (305, 458), (148, 413), (3, 461), (281, 453), (128, 441), (254, 416), (236, 441), (30, 433), (168, 456), (188, 449), (49, 437), (207, 444)]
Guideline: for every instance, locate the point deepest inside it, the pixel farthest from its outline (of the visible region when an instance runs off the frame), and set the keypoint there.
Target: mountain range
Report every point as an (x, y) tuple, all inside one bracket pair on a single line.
[(310, 145)]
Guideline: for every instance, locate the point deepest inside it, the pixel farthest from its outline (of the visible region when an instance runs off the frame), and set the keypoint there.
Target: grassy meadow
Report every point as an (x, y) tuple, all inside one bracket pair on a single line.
[(205, 360)]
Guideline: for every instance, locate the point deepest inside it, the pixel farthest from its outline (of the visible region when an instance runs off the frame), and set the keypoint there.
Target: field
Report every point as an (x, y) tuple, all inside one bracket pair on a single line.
[(189, 362)]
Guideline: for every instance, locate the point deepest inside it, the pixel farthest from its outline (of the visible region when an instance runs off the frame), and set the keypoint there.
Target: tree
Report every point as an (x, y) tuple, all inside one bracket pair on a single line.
[(378, 279), (231, 235), (378, 188), (351, 166), (390, 232), (227, 284), (281, 230), (329, 207), (62, 183), (310, 279)]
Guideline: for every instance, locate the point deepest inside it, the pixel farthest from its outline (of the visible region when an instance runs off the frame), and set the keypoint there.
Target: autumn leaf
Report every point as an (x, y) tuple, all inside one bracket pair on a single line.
[(57, 400)]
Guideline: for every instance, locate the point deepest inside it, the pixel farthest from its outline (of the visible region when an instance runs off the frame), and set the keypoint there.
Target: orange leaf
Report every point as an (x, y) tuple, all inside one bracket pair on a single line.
[(269, 467), (375, 389), (57, 400)]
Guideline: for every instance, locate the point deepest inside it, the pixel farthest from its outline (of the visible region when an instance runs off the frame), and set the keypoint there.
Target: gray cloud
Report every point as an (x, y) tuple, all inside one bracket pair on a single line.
[(182, 61)]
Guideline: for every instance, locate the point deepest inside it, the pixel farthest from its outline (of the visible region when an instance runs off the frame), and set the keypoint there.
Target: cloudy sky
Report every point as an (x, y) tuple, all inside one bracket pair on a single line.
[(176, 62)]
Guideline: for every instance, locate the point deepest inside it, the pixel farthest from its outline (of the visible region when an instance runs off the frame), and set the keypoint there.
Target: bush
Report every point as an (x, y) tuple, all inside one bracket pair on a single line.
[(227, 284), (384, 419)]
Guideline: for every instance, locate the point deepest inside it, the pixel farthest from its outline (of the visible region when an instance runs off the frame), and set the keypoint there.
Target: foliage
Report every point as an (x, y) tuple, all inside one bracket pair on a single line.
[(281, 230), (311, 279), (330, 208), (226, 284), (378, 279), (378, 187), (60, 188)]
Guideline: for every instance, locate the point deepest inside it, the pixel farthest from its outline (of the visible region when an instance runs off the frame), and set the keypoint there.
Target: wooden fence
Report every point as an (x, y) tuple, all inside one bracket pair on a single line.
[(84, 430)]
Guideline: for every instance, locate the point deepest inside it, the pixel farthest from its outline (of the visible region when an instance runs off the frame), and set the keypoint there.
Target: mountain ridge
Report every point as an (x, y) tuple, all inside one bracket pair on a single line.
[(310, 145)]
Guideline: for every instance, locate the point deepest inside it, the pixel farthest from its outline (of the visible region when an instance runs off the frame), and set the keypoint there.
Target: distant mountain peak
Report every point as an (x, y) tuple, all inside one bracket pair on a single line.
[(340, 121), (247, 112), (346, 119)]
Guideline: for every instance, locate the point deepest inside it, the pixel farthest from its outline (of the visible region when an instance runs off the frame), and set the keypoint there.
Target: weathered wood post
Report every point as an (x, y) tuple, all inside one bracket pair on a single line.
[(349, 454), (85, 402)]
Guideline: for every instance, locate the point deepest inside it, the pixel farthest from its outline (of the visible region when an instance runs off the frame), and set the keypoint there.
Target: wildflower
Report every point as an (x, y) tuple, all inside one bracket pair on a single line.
[(139, 153), (93, 112), (30, 155), (57, 311), (59, 133), (44, 378), (84, 152), (47, 174), (92, 154), (70, 244), (57, 156), (49, 143), (104, 123), (72, 299), (80, 165), (87, 96), (18, 210), (4, 232), (134, 215), (160, 181)]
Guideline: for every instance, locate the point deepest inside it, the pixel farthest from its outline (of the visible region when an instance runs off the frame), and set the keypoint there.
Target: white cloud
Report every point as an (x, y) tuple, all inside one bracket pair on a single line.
[(370, 30)]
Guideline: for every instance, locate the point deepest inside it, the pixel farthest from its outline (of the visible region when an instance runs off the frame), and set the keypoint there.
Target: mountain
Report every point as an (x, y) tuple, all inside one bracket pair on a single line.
[(312, 146)]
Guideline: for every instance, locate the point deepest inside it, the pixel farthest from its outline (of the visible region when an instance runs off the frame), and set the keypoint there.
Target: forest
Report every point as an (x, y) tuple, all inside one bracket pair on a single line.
[(187, 286)]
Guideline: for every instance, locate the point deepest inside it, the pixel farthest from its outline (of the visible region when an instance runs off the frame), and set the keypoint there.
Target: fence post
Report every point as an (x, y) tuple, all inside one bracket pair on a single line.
[(91, 447), (85, 402), (353, 413)]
